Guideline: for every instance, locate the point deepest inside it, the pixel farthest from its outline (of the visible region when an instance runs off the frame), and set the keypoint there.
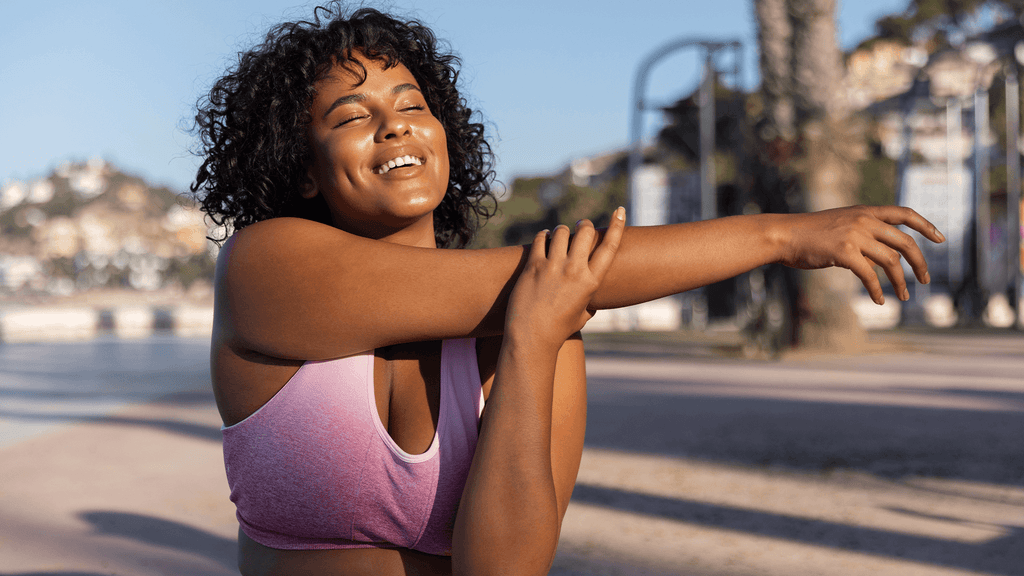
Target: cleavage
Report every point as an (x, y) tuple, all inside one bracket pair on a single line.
[(407, 390)]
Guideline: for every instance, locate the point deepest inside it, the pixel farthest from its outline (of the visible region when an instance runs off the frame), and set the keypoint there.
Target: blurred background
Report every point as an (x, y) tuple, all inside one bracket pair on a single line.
[(775, 423), (681, 113)]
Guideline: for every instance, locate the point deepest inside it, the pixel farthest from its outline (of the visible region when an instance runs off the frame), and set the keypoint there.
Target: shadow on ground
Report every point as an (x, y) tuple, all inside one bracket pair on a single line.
[(55, 574), (1003, 556), (889, 441), (164, 533), (200, 552), (199, 431)]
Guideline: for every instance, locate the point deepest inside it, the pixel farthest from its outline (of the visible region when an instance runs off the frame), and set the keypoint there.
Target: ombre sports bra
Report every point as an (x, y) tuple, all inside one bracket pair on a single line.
[(314, 468)]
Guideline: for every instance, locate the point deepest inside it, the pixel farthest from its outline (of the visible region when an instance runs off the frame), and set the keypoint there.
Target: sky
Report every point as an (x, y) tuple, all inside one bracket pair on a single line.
[(553, 79)]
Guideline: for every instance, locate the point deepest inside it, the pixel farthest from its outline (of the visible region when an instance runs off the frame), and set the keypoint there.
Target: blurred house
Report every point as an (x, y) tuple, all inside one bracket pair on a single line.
[(89, 225)]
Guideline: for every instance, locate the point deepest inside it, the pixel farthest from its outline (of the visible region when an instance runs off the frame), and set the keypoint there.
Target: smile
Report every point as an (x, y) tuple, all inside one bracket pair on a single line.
[(397, 163)]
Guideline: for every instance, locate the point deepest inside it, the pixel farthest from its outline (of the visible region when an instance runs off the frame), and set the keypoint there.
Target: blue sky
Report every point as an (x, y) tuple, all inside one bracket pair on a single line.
[(553, 79)]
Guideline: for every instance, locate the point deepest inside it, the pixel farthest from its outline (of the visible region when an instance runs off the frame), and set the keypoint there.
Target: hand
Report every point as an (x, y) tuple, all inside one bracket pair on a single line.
[(550, 299), (857, 238)]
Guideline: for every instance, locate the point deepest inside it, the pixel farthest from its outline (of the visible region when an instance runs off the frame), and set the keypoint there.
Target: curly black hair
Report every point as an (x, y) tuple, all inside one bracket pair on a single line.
[(252, 125)]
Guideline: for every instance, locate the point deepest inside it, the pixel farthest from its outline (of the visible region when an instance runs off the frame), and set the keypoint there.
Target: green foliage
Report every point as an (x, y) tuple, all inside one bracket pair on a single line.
[(196, 267), (877, 181), (937, 18), (895, 27), (524, 214)]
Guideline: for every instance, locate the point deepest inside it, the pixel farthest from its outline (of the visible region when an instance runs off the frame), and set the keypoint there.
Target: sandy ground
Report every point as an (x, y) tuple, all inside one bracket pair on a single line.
[(908, 462)]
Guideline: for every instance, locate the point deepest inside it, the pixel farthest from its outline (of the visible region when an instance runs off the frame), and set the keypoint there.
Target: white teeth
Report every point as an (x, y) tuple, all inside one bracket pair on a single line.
[(400, 161)]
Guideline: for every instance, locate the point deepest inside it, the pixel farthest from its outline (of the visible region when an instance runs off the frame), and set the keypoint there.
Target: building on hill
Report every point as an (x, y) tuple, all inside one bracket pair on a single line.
[(881, 69), (89, 225)]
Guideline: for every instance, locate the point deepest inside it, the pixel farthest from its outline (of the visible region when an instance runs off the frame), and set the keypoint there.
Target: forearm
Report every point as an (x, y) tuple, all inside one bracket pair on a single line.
[(289, 288), (508, 516), (656, 261)]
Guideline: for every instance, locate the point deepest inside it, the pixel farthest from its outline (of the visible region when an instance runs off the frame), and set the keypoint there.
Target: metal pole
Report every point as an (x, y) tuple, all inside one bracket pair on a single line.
[(952, 125), (635, 148), (982, 212), (903, 162), (1013, 235), (708, 196), (639, 89)]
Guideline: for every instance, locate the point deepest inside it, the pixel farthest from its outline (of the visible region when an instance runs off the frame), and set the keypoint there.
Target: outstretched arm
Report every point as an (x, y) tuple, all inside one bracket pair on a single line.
[(509, 515), (675, 258), (295, 289)]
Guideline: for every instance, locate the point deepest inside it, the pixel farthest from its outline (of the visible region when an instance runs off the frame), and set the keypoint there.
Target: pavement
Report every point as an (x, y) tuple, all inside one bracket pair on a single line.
[(906, 460)]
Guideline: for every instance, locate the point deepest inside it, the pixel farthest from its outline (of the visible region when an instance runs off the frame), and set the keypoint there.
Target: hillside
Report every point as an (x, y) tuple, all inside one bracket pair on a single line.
[(90, 227)]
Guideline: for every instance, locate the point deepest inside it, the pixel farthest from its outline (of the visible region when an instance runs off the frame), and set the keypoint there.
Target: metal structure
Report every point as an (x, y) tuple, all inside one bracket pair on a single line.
[(707, 114), (1013, 185), (973, 273)]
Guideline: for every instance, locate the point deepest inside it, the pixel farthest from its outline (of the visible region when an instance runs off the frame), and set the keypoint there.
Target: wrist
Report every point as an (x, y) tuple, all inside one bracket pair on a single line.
[(525, 345), (777, 230)]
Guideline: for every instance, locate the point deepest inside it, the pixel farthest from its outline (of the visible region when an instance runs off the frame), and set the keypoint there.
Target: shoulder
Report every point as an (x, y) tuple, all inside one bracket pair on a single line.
[(276, 235), (263, 250)]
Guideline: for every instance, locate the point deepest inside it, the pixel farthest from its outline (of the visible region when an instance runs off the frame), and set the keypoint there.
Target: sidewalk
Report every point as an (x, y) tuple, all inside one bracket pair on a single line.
[(670, 481), (140, 492)]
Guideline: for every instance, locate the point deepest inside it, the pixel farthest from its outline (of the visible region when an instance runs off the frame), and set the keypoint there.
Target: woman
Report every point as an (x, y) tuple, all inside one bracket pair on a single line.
[(352, 359)]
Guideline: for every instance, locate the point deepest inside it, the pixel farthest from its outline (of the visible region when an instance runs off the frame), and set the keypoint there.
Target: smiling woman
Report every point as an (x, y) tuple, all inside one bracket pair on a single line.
[(254, 123), (379, 156), (390, 407)]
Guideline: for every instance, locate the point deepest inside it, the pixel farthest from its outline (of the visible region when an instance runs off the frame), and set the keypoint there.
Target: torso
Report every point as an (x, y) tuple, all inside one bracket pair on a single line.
[(407, 392)]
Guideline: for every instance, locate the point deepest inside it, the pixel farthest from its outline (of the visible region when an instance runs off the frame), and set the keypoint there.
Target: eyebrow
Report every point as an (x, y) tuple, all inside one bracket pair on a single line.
[(360, 97)]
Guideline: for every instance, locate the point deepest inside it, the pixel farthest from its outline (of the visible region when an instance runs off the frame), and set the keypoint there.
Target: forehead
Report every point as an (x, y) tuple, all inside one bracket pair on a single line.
[(362, 73)]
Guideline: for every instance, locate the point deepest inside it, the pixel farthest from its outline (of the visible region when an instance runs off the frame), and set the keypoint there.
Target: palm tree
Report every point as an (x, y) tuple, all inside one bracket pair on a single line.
[(805, 112)]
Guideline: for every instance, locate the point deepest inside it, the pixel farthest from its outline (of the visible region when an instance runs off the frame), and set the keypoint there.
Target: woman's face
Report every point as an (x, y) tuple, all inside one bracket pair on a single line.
[(379, 156)]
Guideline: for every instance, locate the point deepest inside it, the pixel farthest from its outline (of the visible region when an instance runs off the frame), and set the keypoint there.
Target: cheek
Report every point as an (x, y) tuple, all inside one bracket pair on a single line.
[(341, 160), (441, 145)]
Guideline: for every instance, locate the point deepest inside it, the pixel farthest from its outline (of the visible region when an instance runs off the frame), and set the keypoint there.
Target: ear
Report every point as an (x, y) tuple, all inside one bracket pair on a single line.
[(309, 186)]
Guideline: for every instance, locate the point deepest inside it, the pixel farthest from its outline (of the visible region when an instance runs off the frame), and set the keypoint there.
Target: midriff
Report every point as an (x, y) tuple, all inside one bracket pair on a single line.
[(256, 559)]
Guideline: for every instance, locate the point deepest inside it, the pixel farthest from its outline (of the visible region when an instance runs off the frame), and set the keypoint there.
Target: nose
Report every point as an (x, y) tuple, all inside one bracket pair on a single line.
[(392, 125)]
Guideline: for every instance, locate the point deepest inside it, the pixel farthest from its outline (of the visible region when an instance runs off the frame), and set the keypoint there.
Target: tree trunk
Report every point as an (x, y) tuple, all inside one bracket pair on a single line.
[(775, 39), (830, 144)]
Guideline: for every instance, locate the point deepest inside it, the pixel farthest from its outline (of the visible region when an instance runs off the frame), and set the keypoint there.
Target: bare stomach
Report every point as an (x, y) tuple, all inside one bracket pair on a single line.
[(255, 559)]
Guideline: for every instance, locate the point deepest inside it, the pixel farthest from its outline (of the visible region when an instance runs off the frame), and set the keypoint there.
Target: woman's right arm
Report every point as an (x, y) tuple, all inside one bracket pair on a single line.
[(295, 289)]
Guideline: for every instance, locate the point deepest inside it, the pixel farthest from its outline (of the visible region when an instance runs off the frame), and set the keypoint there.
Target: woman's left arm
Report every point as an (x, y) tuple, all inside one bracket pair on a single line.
[(568, 410), (510, 513)]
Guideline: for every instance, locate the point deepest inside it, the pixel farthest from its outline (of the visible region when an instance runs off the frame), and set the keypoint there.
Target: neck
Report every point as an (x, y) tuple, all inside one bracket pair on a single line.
[(420, 233)]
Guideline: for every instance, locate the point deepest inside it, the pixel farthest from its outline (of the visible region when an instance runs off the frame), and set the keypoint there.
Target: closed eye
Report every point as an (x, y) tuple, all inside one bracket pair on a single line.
[(349, 119)]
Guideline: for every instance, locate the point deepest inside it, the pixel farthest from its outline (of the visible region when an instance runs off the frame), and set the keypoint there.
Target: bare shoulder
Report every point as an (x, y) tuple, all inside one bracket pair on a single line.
[(277, 242), (296, 289)]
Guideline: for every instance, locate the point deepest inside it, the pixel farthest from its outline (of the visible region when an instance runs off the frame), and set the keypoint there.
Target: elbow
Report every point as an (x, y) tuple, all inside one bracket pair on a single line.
[(527, 553)]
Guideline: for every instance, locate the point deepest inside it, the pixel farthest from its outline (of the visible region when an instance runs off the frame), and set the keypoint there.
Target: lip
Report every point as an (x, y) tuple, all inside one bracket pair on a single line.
[(395, 152)]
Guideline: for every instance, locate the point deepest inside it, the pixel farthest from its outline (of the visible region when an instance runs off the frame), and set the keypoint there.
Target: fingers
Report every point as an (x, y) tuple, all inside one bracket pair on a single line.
[(903, 242), (889, 260), (583, 241), (910, 218), (581, 246), (602, 258), (559, 246), (539, 250), (906, 246), (866, 272)]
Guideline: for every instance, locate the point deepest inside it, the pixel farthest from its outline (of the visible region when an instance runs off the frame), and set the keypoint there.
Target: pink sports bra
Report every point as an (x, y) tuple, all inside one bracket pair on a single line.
[(314, 468)]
